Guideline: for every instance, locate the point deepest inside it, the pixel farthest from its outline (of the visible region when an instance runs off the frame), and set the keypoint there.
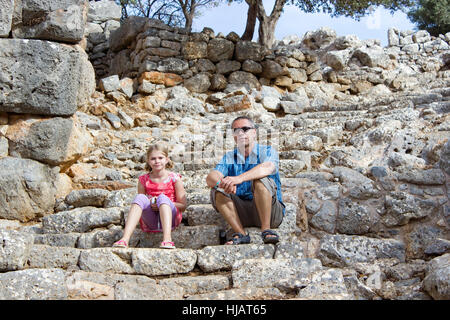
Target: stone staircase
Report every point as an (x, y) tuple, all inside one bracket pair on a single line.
[(73, 245)]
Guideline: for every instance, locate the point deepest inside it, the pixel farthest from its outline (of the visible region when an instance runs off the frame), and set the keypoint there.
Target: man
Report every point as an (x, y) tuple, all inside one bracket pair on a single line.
[(246, 186)]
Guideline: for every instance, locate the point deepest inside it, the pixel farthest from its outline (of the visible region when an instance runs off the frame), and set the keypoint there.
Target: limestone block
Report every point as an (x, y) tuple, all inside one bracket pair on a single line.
[(33, 284), (55, 141), (52, 79), (27, 189), (54, 20), (6, 15), (15, 249)]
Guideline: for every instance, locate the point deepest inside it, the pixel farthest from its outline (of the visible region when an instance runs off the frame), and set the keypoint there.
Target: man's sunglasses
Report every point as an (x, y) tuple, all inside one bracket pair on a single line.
[(243, 129)]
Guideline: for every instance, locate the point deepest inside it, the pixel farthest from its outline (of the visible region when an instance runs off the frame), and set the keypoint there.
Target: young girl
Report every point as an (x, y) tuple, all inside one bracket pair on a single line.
[(160, 201)]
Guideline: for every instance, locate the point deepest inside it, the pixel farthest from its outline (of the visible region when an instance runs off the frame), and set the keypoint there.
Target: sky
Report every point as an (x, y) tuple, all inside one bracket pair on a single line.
[(226, 18)]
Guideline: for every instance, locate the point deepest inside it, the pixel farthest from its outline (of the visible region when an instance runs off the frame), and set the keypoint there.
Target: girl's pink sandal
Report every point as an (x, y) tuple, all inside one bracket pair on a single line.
[(167, 245), (120, 244)]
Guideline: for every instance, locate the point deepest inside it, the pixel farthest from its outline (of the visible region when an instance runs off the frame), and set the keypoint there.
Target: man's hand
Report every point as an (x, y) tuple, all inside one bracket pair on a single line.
[(229, 184)]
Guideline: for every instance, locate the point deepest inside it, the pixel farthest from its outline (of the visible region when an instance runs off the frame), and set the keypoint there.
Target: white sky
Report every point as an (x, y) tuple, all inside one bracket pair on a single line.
[(226, 18)]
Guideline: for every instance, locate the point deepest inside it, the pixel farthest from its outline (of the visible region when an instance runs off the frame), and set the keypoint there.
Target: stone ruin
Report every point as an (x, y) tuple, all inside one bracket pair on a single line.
[(362, 132)]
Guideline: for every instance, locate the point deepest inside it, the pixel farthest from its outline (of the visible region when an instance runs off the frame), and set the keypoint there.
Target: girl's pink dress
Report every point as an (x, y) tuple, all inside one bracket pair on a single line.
[(167, 187)]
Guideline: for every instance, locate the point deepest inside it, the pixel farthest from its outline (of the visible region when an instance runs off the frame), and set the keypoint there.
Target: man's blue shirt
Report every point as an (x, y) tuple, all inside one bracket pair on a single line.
[(233, 163)]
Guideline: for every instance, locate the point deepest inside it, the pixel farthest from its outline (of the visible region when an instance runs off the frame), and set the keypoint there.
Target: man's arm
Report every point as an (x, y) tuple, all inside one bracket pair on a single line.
[(260, 171), (213, 177)]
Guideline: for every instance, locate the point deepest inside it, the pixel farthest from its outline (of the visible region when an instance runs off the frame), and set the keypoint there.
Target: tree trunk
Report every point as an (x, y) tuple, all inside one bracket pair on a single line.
[(251, 21), (267, 24), (189, 19), (266, 32)]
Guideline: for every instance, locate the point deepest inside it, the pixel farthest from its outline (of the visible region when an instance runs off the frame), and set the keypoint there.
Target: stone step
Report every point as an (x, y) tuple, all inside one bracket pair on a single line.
[(193, 237)]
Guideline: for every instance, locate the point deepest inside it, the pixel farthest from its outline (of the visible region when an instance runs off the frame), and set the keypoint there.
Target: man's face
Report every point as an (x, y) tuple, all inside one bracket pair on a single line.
[(244, 132)]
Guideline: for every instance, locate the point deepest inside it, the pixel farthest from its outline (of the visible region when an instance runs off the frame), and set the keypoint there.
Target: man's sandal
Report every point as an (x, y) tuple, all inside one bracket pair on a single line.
[(120, 244), (274, 239), (167, 245), (238, 238)]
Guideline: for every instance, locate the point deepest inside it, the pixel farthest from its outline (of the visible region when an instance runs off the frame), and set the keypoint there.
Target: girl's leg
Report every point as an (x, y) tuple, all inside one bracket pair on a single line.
[(167, 212), (140, 203), (133, 218)]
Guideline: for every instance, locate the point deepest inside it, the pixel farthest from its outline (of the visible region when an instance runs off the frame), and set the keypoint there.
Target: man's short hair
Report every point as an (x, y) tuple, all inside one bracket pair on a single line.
[(244, 118)]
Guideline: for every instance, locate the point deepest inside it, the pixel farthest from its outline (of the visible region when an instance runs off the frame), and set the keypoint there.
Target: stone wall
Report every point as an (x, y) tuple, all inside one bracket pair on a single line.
[(103, 18), (362, 133), (45, 77), (209, 61)]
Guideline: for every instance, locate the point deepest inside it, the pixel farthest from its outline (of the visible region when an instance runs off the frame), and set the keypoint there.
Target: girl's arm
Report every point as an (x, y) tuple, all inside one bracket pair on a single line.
[(180, 195), (141, 188)]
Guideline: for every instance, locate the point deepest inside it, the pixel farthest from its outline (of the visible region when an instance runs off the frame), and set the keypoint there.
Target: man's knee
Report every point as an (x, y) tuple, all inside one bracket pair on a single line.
[(258, 186), (221, 198)]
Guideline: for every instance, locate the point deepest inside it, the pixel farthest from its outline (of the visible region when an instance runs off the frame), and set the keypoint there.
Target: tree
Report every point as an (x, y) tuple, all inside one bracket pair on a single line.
[(177, 13), (349, 8), (431, 15), (167, 11), (190, 9)]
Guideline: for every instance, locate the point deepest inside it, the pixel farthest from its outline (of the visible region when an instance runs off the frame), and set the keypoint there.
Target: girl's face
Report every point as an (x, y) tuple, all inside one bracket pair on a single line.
[(157, 160)]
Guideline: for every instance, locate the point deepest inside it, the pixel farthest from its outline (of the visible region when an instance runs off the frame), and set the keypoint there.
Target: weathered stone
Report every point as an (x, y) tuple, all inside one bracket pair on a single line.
[(216, 258), (47, 257), (129, 29), (240, 294), (174, 65), (193, 237), (236, 103), (33, 284), (87, 197), (203, 214), (40, 83), (6, 15), (62, 21), (15, 249), (27, 189), (402, 207), (326, 285), (199, 284), (199, 83), (55, 141), (372, 57), (325, 218), (185, 105), (249, 50), (154, 262), (354, 218), (428, 177), (319, 38), (242, 77), (337, 59), (80, 219), (220, 49), (129, 290), (342, 250), (251, 66), (421, 238), (195, 50), (302, 142), (270, 272), (106, 260), (359, 185), (437, 280), (227, 66), (218, 82), (271, 69), (104, 10), (289, 250)]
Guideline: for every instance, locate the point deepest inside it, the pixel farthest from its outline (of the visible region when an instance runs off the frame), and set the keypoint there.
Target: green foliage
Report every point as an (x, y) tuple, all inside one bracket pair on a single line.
[(431, 15), (355, 8)]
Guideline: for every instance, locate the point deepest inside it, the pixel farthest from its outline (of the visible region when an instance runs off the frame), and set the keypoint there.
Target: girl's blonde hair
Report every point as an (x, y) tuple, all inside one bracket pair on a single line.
[(161, 148)]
